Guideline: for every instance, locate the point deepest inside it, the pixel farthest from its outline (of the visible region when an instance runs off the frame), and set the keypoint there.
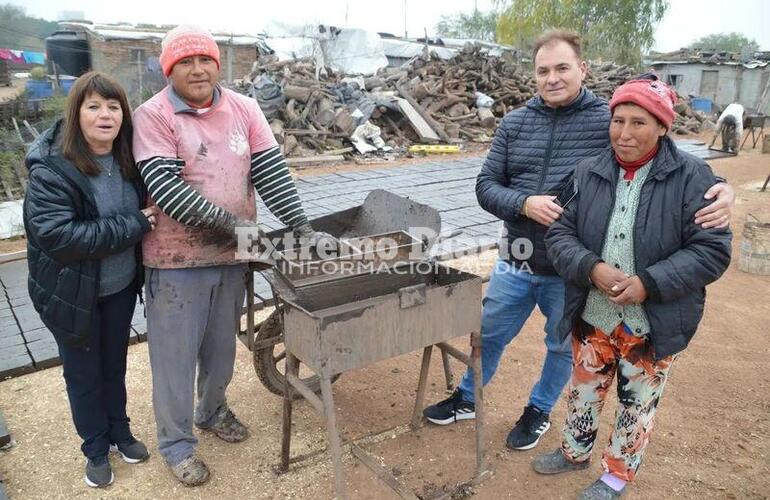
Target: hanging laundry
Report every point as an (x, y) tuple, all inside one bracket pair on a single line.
[(34, 57), (17, 57)]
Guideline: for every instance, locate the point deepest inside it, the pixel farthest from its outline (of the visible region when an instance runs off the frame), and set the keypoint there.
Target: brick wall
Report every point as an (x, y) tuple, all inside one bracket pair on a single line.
[(118, 58)]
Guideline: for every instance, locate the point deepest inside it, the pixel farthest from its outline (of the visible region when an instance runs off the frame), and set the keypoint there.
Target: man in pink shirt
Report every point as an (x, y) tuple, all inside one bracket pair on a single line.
[(202, 151)]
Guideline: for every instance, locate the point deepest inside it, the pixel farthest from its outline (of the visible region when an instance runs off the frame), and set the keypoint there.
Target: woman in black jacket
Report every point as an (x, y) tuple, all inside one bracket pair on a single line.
[(83, 219), (636, 267)]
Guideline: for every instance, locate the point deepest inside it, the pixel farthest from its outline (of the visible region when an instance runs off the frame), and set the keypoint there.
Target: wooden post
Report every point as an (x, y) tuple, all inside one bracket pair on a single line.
[(421, 385), (334, 438), (478, 393), (292, 366), (447, 371)]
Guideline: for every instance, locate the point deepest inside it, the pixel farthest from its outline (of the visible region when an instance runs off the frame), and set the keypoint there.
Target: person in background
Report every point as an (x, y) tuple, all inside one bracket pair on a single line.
[(730, 127), (84, 221)]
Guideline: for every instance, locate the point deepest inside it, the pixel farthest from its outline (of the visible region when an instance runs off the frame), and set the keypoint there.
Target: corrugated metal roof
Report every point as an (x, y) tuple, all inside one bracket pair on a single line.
[(748, 65), (128, 32)]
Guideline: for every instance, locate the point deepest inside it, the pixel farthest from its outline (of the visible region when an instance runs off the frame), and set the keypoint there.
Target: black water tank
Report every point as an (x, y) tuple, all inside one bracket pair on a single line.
[(69, 50)]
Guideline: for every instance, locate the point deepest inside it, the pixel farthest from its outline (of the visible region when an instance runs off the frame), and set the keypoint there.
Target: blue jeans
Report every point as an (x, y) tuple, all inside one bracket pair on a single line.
[(511, 297)]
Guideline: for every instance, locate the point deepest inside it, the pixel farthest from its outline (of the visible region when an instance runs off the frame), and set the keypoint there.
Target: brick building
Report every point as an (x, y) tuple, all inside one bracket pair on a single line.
[(130, 54)]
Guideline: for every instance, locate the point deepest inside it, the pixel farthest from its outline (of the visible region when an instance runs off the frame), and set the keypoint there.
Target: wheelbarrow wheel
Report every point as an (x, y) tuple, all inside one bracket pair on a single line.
[(269, 362)]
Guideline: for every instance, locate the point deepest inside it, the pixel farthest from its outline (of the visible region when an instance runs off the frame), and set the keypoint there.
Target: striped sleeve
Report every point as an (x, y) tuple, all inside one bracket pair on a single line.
[(179, 200), (275, 186)]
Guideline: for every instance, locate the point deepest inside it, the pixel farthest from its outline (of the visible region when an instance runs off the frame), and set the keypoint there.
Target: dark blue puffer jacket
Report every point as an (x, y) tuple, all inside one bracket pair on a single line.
[(535, 149)]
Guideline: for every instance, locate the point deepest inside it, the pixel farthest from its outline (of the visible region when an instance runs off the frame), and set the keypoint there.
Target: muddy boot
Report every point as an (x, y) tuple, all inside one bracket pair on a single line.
[(599, 490), (191, 471), (556, 463), (227, 427)]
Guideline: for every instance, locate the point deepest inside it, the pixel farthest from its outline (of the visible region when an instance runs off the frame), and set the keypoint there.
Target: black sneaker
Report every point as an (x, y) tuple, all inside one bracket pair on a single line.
[(99, 473), (132, 451), (450, 410), (526, 433)]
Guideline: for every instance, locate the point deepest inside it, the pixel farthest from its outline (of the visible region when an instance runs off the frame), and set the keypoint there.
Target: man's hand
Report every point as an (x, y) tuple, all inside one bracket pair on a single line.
[(630, 291), (324, 243), (152, 216), (717, 214), (607, 278), (542, 209)]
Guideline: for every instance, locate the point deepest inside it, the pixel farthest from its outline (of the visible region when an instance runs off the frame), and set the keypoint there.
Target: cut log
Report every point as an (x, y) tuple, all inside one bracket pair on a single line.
[(373, 82), (325, 112), (276, 126), (458, 109), (426, 133), (291, 112), (486, 117), (289, 145), (297, 92), (343, 122), (452, 130)]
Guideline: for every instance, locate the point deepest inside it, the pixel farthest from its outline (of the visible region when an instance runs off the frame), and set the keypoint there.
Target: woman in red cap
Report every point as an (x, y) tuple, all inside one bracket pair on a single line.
[(636, 267)]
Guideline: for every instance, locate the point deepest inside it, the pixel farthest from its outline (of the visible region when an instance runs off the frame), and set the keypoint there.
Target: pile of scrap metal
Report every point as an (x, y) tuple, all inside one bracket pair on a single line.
[(427, 100)]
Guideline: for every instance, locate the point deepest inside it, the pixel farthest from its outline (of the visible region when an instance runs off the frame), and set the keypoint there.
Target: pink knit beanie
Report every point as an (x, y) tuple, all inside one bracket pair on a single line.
[(186, 41), (653, 95)]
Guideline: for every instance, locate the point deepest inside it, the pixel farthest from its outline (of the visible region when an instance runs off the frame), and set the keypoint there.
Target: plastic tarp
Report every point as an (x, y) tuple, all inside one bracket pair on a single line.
[(348, 50), (354, 52), (405, 49)]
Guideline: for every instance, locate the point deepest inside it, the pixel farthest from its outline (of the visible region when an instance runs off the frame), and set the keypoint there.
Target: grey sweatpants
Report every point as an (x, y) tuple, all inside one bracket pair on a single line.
[(192, 318)]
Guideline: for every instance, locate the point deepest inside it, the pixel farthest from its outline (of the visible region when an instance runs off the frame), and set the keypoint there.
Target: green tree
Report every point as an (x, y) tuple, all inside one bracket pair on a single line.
[(618, 30), (479, 25), (22, 32), (728, 42)]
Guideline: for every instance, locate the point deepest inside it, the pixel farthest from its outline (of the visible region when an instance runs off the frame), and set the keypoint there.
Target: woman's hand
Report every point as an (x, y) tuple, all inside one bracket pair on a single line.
[(630, 291), (606, 278), (717, 214), (151, 213)]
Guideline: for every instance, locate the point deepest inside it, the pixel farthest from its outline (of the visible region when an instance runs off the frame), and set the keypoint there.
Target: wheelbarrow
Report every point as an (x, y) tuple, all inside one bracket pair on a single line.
[(382, 214)]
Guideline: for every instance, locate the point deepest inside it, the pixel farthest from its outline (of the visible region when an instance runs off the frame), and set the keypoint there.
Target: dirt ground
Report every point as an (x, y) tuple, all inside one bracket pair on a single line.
[(712, 436)]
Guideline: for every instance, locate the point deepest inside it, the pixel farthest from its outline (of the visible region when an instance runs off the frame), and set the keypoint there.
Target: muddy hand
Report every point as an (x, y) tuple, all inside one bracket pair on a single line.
[(316, 239), (152, 216)]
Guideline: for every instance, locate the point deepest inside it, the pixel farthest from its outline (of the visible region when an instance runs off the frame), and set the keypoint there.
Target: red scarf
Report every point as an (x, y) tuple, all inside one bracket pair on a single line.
[(207, 105), (632, 166)]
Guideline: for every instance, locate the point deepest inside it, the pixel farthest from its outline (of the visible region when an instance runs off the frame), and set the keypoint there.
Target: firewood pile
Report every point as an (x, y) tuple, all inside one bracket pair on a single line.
[(605, 78), (427, 100), (686, 120)]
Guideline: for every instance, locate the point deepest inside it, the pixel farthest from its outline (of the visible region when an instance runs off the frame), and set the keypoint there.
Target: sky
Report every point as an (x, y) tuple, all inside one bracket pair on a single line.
[(686, 20)]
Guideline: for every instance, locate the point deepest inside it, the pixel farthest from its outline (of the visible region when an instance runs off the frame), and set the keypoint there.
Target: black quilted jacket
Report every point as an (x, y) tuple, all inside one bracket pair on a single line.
[(535, 149), (66, 239)]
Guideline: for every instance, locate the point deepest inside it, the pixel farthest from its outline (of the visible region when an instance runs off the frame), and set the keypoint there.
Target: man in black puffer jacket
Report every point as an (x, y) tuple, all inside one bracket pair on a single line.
[(533, 155)]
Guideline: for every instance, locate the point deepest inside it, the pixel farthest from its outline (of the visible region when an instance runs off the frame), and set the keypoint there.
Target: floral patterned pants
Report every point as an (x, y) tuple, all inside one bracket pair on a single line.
[(596, 358)]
